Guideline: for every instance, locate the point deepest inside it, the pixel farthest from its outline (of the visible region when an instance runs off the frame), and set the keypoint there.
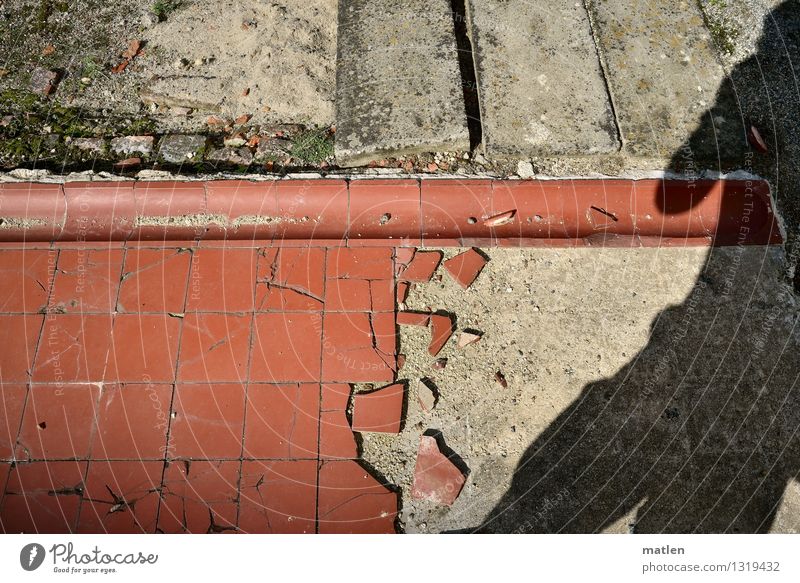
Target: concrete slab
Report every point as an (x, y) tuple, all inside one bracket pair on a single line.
[(398, 87), (540, 81), (664, 74)]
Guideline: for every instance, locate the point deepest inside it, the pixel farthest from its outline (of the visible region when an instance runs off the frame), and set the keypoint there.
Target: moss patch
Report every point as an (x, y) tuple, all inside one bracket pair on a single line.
[(313, 146)]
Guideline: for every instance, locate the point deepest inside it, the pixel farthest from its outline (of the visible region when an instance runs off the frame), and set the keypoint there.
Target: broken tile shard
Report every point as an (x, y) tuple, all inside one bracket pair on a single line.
[(402, 291), (413, 318), (465, 267), (500, 378), (501, 219), (442, 329), (379, 411), (467, 338), (426, 395), (422, 267), (436, 477)]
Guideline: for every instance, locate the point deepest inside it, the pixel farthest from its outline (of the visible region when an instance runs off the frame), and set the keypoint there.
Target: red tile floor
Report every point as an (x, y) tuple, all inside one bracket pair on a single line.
[(190, 387)]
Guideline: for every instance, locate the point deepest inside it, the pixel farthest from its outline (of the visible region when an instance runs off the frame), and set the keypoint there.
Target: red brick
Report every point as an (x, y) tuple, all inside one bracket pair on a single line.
[(25, 279), (282, 421), (380, 410), (278, 497), (208, 421), (144, 348), (154, 280), (352, 501), (73, 348), (286, 347), (214, 347), (58, 422), (87, 281)]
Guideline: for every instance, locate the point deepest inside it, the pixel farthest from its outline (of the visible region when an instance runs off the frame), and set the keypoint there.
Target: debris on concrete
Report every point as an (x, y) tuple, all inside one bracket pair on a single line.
[(43, 81), (439, 364), (427, 394), (128, 55), (500, 378), (128, 163), (379, 411), (177, 149), (465, 267), (133, 145), (94, 145), (525, 169), (413, 318), (421, 267), (272, 149), (441, 330), (401, 360), (468, 337), (233, 156), (436, 477), (755, 139)]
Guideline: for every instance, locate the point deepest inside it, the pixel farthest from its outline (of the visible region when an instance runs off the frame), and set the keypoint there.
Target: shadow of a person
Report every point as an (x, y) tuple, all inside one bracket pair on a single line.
[(700, 431)]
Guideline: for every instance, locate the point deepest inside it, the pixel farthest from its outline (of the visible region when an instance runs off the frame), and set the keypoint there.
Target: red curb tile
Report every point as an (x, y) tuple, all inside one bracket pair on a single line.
[(25, 279), (42, 498), (413, 319), (58, 422), (379, 411), (422, 267), (132, 422), (436, 478), (73, 348), (247, 206), (282, 421), (403, 287), (336, 438), (358, 347), (144, 348), (359, 295), (465, 267), (450, 206), (214, 347), (208, 421), (121, 497), (352, 501), (335, 397), (312, 209), (442, 328), (363, 263), (222, 280), (42, 206), (199, 497), (385, 209), (290, 279), (86, 281), (98, 211), (11, 408), (286, 347), (278, 497), (154, 280), (18, 337), (160, 205)]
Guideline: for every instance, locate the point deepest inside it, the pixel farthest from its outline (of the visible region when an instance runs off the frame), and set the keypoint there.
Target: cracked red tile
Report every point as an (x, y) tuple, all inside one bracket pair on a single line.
[(442, 327), (208, 421), (42, 498), (336, 438), (11, 408), (359, 347), (132, 422), (154, 280), (121, 497), (199, 497), (214, 347), (222, 280), (286, 347), (402, 257), (403, 287), (358, 295), (86, 280), (383, 209), (436, 478), (25, 279), (144, 348), (335, 397), (352, 501), (290, 279), (282, 421), (73, 348), (380, 410), (465, 267), (422, 267), (278, 497), (58, 422), (407, 318), (363, 263)]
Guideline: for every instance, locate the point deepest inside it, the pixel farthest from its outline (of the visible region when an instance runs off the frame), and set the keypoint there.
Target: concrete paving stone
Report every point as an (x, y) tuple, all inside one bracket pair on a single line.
[(663, 73), (398, 83), (539, 78)]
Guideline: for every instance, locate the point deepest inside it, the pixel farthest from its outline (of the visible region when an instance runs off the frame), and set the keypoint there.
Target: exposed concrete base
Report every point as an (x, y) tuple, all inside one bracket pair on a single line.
[(398, 87), (540, 82)]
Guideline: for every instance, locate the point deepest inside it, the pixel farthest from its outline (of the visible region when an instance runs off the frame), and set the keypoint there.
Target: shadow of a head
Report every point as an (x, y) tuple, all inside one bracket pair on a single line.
[(700, 431)]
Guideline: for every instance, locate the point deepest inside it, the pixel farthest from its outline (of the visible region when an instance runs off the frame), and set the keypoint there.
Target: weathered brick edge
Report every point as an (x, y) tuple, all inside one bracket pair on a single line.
[(399, 212)]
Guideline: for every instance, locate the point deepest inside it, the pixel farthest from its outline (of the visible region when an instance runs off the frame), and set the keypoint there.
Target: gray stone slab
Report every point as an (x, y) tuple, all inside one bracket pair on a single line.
[(664, 76), (398, 83), (539, 77)]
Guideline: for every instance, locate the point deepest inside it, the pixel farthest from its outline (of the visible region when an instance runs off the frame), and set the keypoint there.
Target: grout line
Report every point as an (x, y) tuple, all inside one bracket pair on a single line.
[(321, 359)]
